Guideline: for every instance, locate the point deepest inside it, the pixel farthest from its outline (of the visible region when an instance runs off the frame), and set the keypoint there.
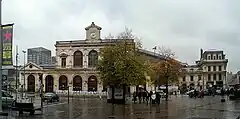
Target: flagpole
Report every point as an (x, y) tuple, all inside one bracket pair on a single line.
[(1, 53)]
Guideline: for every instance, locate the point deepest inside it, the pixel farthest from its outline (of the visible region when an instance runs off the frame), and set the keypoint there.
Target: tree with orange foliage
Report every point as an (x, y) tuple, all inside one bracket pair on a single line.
[(168, 69)]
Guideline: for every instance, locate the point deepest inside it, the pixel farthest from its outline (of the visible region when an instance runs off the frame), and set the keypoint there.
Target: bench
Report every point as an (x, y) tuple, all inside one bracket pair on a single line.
[(27, 107)]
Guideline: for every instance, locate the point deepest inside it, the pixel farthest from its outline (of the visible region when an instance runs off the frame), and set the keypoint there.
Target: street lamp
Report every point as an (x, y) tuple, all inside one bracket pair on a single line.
[(24, 88)]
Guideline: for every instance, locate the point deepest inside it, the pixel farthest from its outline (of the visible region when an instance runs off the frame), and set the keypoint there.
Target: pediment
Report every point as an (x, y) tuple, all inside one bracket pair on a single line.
[(31, 66), (93, 26), (63, 54)]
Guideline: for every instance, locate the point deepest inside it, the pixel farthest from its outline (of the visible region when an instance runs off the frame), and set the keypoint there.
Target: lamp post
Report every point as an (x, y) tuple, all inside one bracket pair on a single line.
[(41, 89), (24, 82), (1, 52), (154, 50)]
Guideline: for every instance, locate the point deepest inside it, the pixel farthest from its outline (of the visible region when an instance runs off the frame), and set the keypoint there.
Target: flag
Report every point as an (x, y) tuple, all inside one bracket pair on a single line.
[(7, 37)]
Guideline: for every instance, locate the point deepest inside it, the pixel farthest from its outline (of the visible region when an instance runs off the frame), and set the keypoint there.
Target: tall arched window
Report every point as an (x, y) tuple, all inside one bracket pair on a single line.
[(77, 83), (78, 59), (31, 83), (92, 58), (63, 83)]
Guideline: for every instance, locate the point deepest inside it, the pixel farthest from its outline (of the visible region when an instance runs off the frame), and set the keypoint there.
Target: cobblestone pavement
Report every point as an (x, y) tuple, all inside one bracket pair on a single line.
[(176, 108)]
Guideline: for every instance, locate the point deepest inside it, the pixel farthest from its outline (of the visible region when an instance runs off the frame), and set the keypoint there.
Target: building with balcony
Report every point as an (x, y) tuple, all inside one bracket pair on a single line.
[(75, 66), (209, 71)]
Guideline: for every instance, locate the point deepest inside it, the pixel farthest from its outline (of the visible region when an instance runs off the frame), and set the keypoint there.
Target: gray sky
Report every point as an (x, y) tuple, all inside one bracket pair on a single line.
[(183, 25)]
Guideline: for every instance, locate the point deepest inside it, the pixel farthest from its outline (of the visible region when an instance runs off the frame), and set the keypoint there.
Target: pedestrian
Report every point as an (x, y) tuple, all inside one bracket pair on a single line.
[(134, 97), (147, 97), (144, 94), (158, 97), (150, 95), (140, 97)]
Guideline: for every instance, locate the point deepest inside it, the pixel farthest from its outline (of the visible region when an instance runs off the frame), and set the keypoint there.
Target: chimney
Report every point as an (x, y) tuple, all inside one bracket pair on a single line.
[(201, 55)]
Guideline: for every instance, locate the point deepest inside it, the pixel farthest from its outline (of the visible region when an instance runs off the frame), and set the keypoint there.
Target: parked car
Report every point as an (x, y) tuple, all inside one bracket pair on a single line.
[(51, 97), (7, 100)]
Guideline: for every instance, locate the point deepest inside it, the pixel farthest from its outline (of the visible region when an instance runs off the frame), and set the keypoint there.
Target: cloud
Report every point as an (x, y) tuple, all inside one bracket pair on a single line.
[(185, 26)]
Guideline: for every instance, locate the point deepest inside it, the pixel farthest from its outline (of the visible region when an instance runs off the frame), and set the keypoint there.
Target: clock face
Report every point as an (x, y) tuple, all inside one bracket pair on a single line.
[(93, 35)]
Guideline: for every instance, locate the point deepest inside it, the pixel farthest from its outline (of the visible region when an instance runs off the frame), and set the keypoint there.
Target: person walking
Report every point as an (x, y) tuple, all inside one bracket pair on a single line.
[(140, 97)]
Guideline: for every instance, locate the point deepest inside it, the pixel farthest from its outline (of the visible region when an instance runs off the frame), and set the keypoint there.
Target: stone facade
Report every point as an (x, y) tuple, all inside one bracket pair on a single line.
[(75, 65), (209, 71)]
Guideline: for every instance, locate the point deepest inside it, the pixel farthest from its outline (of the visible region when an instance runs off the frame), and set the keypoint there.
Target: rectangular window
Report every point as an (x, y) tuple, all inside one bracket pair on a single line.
[(209, 77), (191, 78), (219, 68), (214, 77), (63, 62), (209, 68), (220, 77), (214, 57), (214, 68), (209, 57), (219, 57), (184, 78)]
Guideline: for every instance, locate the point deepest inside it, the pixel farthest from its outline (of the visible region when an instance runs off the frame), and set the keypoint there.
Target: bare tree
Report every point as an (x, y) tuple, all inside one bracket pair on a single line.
[(168, 68)]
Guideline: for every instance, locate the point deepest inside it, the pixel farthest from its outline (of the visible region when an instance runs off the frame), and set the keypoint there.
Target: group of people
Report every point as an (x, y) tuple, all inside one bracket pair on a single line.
[(145, 96)]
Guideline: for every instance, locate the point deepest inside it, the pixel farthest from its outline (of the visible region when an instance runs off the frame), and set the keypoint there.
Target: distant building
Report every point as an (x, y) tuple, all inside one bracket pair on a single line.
[(209, 71), (233, 79), (39, 56)]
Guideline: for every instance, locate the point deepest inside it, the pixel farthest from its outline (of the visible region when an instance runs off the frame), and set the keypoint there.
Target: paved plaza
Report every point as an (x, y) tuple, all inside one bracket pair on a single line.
[(180, 107)]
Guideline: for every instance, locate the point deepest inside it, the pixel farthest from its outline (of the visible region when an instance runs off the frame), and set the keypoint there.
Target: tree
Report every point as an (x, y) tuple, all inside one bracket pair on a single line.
[(120, 63), (119, 67), (167, 70)]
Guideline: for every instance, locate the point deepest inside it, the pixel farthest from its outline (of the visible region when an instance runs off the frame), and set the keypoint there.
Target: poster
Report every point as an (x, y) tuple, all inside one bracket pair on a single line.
[(118, 93), (109, 93), (7, 36)]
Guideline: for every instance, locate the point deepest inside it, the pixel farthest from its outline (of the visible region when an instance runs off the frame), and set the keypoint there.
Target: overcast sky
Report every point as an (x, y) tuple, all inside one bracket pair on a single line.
[(183, 25)]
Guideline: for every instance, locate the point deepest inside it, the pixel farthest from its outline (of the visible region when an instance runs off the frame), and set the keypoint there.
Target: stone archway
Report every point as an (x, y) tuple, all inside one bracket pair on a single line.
[(49, 83), (92, 83), (31, 83), (77, 83), (63, 83)]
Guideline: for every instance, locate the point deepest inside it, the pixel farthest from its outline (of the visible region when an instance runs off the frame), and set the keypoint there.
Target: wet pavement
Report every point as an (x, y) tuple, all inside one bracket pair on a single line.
[(180, 107)]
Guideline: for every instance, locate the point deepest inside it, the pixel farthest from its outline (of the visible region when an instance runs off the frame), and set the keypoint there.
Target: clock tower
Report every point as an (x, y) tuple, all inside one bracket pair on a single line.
[(93, 32)]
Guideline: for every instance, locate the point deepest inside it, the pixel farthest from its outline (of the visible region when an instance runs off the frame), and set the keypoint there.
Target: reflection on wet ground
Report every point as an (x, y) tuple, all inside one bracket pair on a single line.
[(176, 108)]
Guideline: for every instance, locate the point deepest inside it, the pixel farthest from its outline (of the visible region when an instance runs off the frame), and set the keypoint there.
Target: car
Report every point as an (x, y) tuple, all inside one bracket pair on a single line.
[(7, 100), (51, 97)]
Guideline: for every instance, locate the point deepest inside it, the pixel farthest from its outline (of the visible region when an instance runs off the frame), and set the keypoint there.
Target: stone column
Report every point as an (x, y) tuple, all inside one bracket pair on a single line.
[(84, 82)]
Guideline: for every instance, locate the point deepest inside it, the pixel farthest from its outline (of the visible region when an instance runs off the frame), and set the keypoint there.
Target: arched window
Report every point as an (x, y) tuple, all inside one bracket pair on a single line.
[(77, 83), (92, 58), (63, 83), (78, 59), (92, 83), (49, 83), (31, 83)]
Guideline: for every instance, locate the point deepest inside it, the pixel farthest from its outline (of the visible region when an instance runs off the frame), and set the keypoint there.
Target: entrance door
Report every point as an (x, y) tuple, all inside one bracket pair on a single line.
[(31, 83), (49, 84)]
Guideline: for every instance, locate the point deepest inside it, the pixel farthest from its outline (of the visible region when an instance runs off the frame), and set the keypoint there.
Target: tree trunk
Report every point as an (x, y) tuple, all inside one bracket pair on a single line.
[(166, 88)]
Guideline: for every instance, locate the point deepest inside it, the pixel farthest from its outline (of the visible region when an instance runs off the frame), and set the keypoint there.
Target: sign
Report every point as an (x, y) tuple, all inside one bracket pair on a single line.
[(7, 36), (118, 93)]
